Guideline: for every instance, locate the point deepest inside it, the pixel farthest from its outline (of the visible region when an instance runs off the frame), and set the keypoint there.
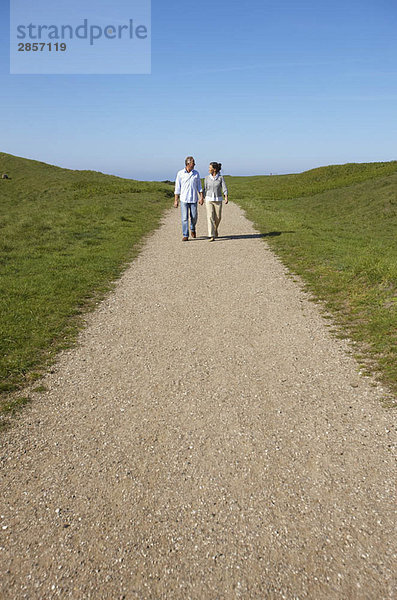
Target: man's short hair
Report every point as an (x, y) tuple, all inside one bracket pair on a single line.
[(188, 160)]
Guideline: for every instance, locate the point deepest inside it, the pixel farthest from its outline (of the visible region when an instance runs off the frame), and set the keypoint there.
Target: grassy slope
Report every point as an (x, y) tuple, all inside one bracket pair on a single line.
[(65, 235), (337, 228)]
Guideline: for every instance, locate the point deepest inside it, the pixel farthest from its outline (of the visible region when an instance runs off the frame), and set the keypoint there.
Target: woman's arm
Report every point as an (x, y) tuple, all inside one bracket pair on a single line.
[(224, 190)]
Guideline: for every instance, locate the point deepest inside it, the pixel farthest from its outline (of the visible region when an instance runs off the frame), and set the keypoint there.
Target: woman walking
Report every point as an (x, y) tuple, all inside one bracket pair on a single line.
[(214, 186)]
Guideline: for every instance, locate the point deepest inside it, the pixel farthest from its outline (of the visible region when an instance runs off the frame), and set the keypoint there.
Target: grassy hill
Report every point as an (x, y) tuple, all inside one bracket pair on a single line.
[(309, 183), (337, 228), (65, 236)]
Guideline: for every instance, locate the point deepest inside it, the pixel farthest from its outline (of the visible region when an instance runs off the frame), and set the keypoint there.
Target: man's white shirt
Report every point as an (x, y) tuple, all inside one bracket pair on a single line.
[(188, 185)]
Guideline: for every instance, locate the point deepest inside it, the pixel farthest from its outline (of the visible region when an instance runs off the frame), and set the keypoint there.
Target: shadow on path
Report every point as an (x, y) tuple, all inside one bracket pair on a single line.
[(245, 236), (249, 236)]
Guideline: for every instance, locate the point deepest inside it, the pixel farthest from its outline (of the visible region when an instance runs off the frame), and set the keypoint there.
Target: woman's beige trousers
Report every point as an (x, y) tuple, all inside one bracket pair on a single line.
[(214, 214)]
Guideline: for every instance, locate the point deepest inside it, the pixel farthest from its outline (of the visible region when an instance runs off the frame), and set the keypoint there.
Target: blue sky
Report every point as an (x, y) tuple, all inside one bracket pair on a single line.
[(263, 87)]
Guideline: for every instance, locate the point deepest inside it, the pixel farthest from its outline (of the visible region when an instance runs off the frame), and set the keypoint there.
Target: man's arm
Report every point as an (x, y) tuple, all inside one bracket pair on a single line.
[(200, 191), (177, 190)]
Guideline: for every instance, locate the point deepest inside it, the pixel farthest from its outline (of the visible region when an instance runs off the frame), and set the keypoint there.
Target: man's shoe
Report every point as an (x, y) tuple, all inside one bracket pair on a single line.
[(185, 239), (211, 239), (193, 234)]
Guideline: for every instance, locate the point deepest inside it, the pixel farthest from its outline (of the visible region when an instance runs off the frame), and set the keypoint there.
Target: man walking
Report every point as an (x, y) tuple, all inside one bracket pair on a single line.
[(188, 189)]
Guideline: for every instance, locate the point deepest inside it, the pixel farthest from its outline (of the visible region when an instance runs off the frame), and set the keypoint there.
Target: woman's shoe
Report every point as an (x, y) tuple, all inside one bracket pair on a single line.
[(211, 239)]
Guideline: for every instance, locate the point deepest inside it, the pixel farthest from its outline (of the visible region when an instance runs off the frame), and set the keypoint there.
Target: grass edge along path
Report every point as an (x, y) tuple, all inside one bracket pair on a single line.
[(342, 243), (66, 237)]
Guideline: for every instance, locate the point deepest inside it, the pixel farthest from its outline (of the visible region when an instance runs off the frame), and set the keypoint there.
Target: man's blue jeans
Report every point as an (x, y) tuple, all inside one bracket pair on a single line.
[(186, 209)]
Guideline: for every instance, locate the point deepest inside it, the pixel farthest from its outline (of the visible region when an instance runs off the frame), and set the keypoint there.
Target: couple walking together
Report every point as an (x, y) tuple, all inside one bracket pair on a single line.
[(189, 191)]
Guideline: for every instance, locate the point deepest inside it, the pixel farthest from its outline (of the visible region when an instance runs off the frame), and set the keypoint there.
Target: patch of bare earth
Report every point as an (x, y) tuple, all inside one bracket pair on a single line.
[(207, 439)]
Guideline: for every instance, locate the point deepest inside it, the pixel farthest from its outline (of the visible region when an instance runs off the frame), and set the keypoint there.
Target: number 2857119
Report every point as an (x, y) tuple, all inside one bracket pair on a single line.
[(42, 47)]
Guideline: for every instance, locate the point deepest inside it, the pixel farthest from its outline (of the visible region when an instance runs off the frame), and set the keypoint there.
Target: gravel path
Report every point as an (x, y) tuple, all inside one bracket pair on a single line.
[(207, 439)]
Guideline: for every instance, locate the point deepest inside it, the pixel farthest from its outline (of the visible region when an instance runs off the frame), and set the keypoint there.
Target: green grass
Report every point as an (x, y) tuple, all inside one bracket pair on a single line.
[(65, 237), (336, 227)]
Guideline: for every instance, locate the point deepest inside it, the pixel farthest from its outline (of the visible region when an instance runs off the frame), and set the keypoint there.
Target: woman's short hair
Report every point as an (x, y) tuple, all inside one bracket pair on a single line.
[(217, 166)]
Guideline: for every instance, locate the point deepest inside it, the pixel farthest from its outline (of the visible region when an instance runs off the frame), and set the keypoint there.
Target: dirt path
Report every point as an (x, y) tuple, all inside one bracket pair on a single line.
[(208, 439)]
